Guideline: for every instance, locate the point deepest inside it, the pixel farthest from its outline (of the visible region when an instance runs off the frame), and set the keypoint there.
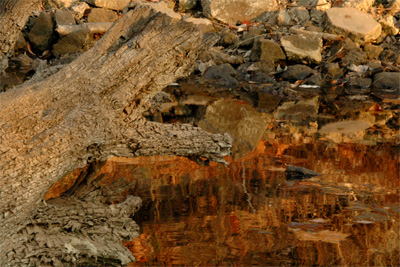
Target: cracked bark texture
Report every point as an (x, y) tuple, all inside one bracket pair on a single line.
[(91, 109)]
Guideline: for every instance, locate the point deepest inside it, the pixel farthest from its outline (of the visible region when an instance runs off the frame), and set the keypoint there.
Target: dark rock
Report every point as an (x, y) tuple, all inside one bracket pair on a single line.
[(348, 44), (261, 77), (283, 18), (387, 80), (229, 38), (72, 43), (333, 70), (299, 15), (267, 102), (222, 75), (316, 79), (297, 72), (373, 51), (20, 44), (360, 82), (265, 66), (298, 173), (41, 34), (355, 57), (220, 57), (250, 36), (390, 55), (102, 15), (64, 17), (266, 50)]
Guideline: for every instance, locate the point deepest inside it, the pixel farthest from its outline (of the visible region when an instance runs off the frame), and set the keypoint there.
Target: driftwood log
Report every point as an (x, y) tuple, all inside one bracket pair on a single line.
[(88, 111)]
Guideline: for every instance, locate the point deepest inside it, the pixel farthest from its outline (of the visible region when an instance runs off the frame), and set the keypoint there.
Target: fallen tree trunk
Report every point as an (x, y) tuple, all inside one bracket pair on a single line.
[(90, 110)]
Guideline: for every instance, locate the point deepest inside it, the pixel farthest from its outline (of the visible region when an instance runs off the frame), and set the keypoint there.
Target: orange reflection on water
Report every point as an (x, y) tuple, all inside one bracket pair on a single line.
[(249, 214)]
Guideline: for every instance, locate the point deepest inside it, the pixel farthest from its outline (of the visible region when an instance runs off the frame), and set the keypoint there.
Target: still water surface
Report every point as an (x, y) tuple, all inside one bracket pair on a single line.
[(249, 213)]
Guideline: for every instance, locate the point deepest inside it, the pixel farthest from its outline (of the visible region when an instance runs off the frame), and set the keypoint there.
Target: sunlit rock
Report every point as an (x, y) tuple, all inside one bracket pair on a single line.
[(303, 48)]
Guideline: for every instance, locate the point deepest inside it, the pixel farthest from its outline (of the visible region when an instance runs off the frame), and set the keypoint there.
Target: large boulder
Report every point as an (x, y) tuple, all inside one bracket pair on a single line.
[(360, 26), (230, 11)]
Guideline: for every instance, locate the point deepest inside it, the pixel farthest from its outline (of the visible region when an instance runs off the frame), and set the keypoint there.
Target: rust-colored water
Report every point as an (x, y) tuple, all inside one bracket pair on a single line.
[(248, 213)]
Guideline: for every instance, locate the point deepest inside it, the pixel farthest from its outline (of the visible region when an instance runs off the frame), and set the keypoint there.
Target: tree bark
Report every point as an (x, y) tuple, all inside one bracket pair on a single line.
[(91, 109)]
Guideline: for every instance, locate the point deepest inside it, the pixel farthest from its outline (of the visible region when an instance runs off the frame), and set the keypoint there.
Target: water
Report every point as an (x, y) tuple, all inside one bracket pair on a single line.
[(249, 213)]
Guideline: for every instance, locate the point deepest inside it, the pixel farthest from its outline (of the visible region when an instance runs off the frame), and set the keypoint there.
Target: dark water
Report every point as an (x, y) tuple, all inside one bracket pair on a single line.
[(248, 213)]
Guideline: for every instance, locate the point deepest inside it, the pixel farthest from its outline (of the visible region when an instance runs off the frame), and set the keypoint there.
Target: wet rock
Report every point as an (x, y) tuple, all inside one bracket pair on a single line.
[(267, 50), (302, 48), (355, 57), (299, 15), (360, 26), (299, 111), (297, 72), (222, 75), (229, 38), (110, 4), (74, 42), (240, 120), (333, 70), (102, 15), (387, 80), (359, 82), (373, 51), (362, 5), (41, 33), (230, 11), (219, 57), (283, 18), (79, 9), (64, 17)]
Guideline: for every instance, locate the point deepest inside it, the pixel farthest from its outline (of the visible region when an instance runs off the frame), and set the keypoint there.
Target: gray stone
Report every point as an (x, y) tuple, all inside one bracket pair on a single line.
[(265, 66), (229, 38), (102, 15), (387, 80), (303, 48), (315, 79), (360, 26), (355, 57), (219, 57), (267, 50), (230, 11), (41, 33), (297, 72), (222, 75), (360, 82), (250, 36), (299, 14), (64, 17), (72, 43), (110, 4), (283, 18)]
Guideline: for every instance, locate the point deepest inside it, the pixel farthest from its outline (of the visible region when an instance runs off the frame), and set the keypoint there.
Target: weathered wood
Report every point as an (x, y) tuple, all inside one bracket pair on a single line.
[(92, 108)]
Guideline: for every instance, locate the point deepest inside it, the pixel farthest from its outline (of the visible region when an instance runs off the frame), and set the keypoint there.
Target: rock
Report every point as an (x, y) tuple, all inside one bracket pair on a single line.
[(372, 51), (333, 70), (64, 17), (360, 26), (299, 173), (303, 48), (102, 15), (297, 72), (299, 111), (267, 102), (110, 4), (74, 42), (362, 5), (240, 120), (230, 11), (299, 15), (345, 131), (267, 50), (187, 4), (387, 80), (79, 9), (229, 38), (63, 3), (390, 55), (41, 34), (265, 66), (359, 82), (260, 77), (389, 25), (250, 36), (355, 57), (283, 18), (203, 24), (348, 44), (219, 57), (315, 79), (222, 75), (20, 44)]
